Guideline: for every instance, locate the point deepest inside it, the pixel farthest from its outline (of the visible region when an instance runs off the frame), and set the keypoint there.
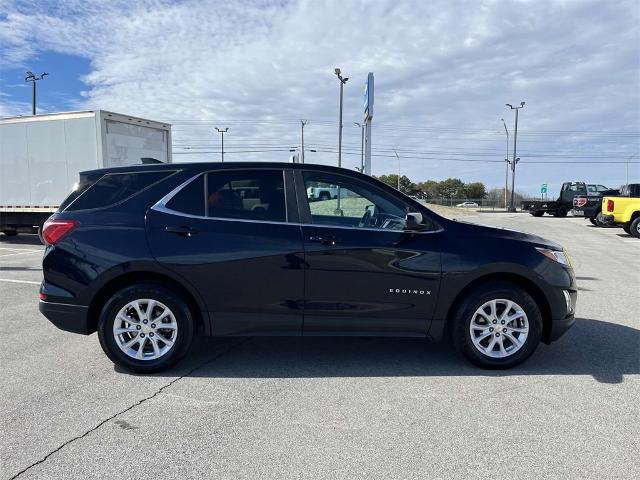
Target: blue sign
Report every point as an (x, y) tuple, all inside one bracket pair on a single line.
[(367, 99)]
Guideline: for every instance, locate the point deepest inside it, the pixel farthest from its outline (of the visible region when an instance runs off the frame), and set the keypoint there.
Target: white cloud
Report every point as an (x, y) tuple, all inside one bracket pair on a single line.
[(443, 72)]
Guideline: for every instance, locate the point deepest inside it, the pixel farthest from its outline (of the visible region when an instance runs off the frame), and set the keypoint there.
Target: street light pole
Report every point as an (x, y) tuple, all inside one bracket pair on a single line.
[(512, 207), (222, 132), (33, 79), (342, 82), (361, 126), (506, 180), (302, 124)]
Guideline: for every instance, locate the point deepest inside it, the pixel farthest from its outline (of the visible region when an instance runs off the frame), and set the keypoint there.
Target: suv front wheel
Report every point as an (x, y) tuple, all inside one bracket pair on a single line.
[(498, 325), (145, 328)]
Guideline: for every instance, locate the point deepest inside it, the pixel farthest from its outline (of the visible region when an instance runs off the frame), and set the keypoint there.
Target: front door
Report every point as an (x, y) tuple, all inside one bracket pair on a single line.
[(365, 273), (230, 233)]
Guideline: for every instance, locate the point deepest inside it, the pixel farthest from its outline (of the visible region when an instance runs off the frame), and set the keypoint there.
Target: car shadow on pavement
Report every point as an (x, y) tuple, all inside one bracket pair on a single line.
[(606, 351)]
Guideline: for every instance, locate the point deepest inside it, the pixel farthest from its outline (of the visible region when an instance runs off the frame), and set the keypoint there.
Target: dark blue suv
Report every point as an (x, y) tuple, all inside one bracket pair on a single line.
[(150, 255)]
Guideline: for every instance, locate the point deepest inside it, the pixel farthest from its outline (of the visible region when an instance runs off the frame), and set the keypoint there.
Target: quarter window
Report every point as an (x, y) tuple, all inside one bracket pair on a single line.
[(190, 199)]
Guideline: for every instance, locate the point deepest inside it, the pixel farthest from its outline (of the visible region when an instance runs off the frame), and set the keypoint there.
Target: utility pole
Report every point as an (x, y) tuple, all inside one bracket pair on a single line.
[(512, 207), (302, 124), (222, 132), (506, 159), (361, 126), (33, 79), (398, 157)]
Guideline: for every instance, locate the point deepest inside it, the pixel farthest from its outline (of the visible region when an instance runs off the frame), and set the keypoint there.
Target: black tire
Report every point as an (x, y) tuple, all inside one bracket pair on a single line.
[(593, 221), (627, 228), (634, 231), (324, 196), (178, 307), (10, 233), (537, 213), (460, 324), (561, 211)]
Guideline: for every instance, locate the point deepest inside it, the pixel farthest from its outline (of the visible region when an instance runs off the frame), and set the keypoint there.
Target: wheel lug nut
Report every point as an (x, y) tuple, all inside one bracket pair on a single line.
[(495, 321), (142, 335), (138, 327), (151, 334), (491, 329), (497, 334), (153, 325), (504, 330), (502, 322), (144, 321)]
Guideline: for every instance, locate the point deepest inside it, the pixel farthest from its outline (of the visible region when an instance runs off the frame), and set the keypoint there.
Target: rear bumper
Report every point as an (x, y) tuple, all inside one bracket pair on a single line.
[(71, 318), (606, 219)]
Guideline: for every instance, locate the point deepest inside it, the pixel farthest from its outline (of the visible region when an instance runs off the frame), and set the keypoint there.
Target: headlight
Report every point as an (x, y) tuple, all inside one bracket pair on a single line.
[(559, 256)]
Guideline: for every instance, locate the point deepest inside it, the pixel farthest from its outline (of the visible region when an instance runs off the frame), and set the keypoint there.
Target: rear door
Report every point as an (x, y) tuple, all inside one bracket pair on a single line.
[(234, 235), (365, 273)]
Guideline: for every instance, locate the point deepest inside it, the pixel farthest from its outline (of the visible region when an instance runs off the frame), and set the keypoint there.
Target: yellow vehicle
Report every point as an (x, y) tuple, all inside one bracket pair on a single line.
[(622, 211)]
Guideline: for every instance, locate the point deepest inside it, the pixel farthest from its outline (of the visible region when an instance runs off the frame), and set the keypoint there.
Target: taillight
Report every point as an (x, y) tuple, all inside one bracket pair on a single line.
[(610, 205), (54, 230)]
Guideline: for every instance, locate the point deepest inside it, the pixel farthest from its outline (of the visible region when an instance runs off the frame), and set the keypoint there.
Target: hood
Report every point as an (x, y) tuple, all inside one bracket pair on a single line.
[(473, 229)]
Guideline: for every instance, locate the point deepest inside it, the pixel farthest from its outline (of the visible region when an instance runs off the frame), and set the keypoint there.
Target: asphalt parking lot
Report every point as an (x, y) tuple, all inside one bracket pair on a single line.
[(326, 407)]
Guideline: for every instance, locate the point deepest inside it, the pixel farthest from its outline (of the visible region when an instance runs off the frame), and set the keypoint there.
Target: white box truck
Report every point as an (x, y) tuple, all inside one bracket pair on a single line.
[(41, 156)]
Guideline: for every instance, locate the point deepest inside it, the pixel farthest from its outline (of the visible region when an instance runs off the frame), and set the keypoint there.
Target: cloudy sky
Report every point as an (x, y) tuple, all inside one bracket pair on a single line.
[(443, 71)]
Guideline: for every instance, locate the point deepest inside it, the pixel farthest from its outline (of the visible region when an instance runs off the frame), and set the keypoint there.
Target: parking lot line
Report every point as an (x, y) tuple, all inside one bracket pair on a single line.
[(20, 253), (10, 280)]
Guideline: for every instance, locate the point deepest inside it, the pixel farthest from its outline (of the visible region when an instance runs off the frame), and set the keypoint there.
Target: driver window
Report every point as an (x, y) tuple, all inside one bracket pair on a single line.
[(338, 200)]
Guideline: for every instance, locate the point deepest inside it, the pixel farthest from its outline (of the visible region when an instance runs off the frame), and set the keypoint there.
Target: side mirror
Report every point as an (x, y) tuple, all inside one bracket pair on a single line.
[(413, 222)]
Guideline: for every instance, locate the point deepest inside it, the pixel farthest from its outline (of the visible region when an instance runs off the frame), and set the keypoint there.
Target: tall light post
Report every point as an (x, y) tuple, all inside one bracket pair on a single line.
[(506, 159), (342, 80), (302, 124), (222, 132), (512, 207), (33, 79), (361, 126)]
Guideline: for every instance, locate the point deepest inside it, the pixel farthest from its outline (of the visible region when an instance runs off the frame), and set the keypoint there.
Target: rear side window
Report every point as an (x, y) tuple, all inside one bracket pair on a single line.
[(250, 195), (190, 199), (113, 188)]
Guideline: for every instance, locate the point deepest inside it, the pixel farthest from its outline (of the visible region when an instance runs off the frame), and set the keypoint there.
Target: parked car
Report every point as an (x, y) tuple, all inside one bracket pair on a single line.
[(323, 192), (564, 203), (468, 205), (623, 212), (150, 256)]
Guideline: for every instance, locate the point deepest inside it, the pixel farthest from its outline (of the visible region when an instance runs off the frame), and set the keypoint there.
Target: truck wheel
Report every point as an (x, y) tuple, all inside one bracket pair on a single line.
[(561, 211), (635, 228), (498, 325), (627, 228), (537, 213), (10, 233), (593, 221), (324, 196), (145, 328)]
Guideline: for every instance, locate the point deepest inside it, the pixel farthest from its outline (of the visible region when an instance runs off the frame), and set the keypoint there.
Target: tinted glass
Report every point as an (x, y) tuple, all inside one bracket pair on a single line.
[(190, 199), (115, 187), (249, 195), (340, 201)]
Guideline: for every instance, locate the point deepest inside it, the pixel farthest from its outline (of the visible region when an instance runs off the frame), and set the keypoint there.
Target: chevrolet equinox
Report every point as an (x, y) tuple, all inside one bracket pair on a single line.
[(150, 255)]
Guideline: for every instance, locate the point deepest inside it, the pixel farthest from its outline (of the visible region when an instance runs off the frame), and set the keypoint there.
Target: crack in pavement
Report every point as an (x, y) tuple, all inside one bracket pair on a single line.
[(139, 402)]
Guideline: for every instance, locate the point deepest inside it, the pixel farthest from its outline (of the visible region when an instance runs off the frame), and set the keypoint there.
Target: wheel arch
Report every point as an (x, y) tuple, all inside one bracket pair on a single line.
[(523, 282), (106, 291)]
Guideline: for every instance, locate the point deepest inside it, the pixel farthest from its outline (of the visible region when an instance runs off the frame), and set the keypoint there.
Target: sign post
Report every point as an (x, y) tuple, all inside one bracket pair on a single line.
[(368, 116)]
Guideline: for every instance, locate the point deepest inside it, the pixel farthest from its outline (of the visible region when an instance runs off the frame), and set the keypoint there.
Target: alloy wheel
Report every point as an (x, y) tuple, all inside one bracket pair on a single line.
[(145, 329), (499, 328)]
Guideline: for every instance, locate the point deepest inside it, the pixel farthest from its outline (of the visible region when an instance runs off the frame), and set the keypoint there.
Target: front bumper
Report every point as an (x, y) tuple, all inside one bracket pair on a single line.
[(71, 318), (559, 327)]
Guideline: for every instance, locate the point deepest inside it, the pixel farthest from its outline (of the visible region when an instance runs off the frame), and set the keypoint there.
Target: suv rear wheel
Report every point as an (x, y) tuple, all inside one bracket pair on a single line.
[(145, 328), (498, 325), (634, 230)]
